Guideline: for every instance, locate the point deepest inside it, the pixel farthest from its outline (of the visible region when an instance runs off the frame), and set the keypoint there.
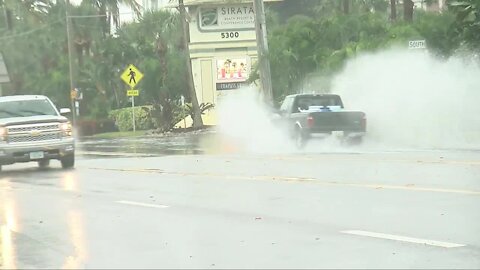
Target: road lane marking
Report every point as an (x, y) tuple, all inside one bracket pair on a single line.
[(143, 204), (404, 239), (410, 188), (353, 156), (299, 179)]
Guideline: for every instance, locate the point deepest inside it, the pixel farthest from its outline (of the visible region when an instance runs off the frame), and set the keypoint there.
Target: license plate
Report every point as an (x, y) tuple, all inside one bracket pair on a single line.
[(36, 155), (337, 133)]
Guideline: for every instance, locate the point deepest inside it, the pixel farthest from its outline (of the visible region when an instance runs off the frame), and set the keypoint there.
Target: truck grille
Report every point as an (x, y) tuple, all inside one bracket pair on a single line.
[(29, 138), (30, 128), (33, 133)]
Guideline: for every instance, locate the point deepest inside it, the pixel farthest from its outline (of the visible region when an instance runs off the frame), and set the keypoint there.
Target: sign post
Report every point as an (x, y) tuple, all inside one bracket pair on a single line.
[(133, 113), (132, 94), (131, 76)]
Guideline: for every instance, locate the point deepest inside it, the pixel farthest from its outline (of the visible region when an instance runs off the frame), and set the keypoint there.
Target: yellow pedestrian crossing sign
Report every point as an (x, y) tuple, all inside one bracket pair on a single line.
[(131, 76), (133, 93)]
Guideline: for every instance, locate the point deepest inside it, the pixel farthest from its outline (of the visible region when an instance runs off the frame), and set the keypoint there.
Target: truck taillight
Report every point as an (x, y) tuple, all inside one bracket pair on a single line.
[(310, 121), (364, 122)]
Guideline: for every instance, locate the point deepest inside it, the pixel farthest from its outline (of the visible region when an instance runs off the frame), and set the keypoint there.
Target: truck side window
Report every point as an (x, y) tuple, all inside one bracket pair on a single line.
[(287, 105)]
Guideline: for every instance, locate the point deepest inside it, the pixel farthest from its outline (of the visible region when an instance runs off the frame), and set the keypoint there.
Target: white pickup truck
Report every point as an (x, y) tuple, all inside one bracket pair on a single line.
[(32, 129)]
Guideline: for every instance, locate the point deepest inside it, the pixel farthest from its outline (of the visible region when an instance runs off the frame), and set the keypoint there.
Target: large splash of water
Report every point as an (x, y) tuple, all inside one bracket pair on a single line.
[(245, 121), (412, 101)]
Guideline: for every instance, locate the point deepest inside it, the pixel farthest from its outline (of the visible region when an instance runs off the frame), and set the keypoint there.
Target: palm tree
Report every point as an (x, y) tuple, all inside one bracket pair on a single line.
[(110, 9), (8, 15), (197, 114), (32, 11), (467, 20), (408, 10)]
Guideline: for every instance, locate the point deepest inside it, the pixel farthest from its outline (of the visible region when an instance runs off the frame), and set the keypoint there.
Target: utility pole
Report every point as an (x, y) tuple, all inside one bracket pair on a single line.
[(262, 47), (197, 114), (70, 63)]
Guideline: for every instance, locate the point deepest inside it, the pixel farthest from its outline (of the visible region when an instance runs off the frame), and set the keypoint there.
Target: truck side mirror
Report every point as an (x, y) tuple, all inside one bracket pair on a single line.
[(65, 111)]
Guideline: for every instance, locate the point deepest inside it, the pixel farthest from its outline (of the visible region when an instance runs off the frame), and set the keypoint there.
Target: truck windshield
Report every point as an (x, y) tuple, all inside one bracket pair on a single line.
[(305, 102), (25, 108)]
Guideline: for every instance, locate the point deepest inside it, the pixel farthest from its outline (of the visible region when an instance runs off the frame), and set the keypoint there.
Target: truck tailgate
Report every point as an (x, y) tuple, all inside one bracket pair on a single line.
[(338, 121)]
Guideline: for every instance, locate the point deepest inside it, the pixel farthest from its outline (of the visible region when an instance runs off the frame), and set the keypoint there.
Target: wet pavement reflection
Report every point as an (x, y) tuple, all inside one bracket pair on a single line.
[(8, 226), (180, 211), (205, 142), (77, 239), (26, 196)]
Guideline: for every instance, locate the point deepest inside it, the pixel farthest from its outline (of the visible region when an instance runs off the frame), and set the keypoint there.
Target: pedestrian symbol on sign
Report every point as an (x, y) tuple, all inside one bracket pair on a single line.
[(131, 76)]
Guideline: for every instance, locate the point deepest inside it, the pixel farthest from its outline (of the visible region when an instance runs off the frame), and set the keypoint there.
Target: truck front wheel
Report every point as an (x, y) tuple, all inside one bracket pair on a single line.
[(68, 162)]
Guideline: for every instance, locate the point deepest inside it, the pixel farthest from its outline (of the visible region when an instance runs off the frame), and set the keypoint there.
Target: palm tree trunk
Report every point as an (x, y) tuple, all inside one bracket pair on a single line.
[(8, 18), (393, 10), (346, 7), (197, 119), (408, 10), (117, 99)]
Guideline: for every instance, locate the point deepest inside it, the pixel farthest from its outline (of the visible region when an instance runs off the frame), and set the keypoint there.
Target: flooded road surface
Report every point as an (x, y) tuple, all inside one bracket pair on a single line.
[(200, 202), (205, 142)]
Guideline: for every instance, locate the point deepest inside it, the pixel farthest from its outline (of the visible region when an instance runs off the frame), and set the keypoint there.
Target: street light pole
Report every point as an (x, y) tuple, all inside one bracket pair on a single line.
[(262, 48), (70, 63)]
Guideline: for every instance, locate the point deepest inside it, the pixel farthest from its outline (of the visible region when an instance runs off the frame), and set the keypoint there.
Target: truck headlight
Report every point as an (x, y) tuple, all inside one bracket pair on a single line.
[(3, 134), (66, 129)]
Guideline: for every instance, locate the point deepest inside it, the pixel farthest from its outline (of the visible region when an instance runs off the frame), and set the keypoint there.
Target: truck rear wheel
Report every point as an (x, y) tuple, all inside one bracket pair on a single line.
[(355, 140), (300, 139), (68, 162)]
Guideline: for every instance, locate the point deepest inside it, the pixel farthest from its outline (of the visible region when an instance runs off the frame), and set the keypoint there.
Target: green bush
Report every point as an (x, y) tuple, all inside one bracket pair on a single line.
[(123, 118)]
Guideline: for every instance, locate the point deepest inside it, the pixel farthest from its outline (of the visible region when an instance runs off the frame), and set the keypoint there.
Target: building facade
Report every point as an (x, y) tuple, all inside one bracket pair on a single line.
[(153, 4), (223, 47)]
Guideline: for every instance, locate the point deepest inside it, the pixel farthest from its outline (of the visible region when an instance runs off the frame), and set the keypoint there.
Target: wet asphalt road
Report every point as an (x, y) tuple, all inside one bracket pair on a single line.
[(190, 205)]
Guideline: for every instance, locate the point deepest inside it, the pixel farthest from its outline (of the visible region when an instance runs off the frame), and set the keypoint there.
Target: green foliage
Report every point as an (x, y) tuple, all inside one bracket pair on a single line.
[(320, 45), (36, 54), (467, 21), (123, 118), (203, 108), (165, 118), (438, 31), (316, 43)]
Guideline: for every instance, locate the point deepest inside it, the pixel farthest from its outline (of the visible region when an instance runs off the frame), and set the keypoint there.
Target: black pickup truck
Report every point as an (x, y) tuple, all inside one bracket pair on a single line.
[(306, 116)]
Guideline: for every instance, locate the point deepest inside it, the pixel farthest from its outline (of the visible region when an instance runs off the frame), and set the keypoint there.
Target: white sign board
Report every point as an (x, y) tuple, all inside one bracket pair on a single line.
[(232, 69), (417, 44), (231, 17)]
